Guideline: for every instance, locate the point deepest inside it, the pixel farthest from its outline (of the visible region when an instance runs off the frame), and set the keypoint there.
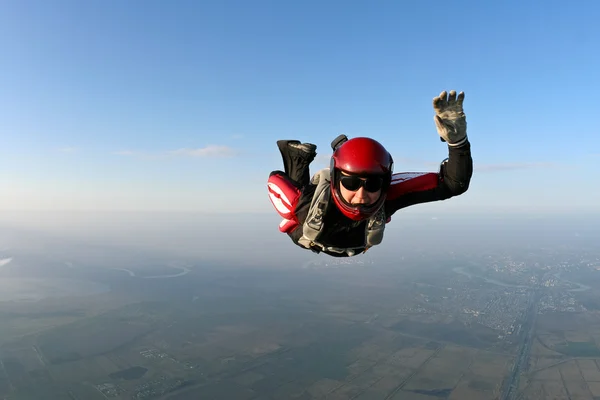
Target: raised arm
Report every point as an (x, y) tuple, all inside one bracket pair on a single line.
[(455, 172)]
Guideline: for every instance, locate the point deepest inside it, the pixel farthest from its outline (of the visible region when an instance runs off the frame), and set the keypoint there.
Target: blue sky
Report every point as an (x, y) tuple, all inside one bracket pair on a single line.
[(153, 105)]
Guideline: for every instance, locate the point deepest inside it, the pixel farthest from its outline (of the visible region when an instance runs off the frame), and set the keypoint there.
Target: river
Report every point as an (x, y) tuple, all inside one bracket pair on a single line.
[(461, 270), (183, 271)]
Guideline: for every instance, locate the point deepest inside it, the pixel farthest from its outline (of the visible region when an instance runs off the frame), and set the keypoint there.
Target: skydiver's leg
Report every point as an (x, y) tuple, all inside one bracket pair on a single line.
[(291, 202), (296, 160), (284, 195), (291, 192), (301, 209)]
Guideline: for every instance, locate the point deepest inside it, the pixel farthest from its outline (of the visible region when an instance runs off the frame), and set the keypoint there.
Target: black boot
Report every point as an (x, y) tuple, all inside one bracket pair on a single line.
[(296, 159)]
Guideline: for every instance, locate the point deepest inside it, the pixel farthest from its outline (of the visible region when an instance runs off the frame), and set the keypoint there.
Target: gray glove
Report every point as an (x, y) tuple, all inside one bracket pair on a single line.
[(450, 119)]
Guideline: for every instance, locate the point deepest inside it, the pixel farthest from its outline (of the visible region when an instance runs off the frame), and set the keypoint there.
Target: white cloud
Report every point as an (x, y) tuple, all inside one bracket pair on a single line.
[(513, 166), (208, 151), (481, 167), (201, 152), (67, 149), (124, 153)]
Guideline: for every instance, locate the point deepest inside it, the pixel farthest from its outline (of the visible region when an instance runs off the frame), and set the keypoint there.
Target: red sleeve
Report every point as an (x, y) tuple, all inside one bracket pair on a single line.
[(409, 182), (453, 178), (410, 188)]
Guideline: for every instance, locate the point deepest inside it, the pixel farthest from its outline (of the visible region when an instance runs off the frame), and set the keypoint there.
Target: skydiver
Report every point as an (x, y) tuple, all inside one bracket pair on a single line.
[(342, 211)]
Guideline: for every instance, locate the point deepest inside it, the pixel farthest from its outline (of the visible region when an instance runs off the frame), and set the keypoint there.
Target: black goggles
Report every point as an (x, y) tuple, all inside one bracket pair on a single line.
[(370, 183)]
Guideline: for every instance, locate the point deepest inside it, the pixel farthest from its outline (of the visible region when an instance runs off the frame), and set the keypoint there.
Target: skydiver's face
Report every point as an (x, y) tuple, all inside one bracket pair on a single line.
[(352, 195)]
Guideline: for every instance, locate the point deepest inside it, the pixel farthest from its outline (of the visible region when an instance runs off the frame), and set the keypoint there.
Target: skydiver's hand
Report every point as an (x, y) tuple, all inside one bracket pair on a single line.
[(450, 119)]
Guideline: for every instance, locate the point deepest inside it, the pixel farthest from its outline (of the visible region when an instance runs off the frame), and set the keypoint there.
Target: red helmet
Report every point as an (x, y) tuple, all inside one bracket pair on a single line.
[(360, 156)]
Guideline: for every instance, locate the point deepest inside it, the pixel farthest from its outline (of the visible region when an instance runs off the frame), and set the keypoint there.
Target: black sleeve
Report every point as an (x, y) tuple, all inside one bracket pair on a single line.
[(452, 180)]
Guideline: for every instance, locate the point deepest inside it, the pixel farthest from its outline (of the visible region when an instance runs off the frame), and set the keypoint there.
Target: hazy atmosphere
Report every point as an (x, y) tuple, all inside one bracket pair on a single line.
[(140, 255)]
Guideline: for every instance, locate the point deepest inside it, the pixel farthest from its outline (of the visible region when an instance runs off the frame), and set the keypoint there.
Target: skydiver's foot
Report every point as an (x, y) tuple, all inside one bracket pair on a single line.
[(296, 159), (308, 148), (288, 148), (283, 144)]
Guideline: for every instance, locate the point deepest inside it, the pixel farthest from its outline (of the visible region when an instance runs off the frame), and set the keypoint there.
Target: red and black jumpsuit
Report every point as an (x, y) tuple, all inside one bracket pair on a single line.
[(406, 189)]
